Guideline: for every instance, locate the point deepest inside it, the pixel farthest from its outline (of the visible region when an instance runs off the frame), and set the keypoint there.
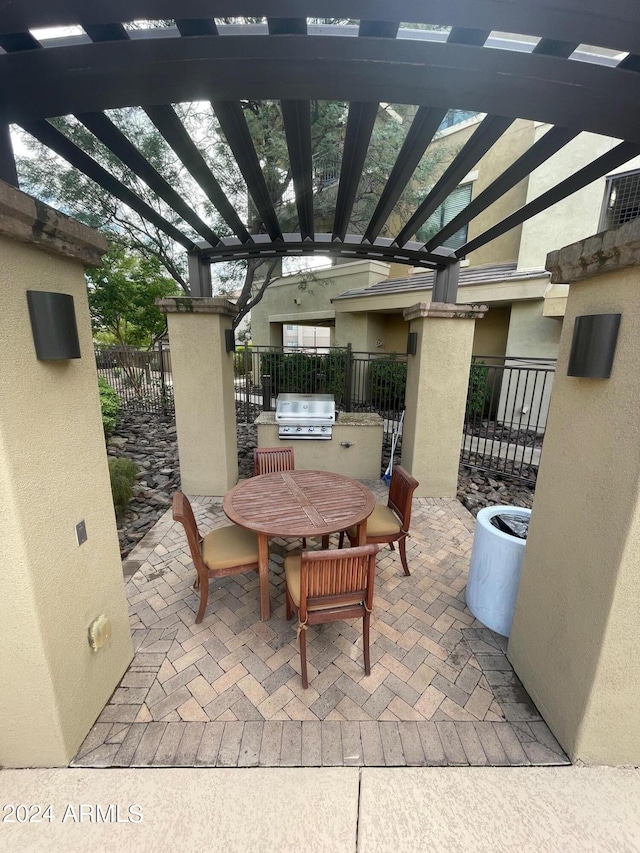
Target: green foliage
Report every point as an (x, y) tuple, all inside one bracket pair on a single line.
[(479, 391), (122, 473), (121, 298), (302, 373), (387, 383), (109, 405), (239, 367)]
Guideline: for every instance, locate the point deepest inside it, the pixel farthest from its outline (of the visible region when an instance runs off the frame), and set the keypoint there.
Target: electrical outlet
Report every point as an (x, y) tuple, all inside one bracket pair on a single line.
[(81, 532)]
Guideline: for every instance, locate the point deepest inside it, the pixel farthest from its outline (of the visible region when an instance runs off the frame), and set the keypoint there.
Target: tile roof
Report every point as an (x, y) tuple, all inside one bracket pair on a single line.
[(424, 280)]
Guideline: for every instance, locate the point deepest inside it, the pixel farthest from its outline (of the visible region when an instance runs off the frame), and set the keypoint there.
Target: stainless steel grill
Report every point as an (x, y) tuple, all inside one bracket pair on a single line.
[(305, 416)]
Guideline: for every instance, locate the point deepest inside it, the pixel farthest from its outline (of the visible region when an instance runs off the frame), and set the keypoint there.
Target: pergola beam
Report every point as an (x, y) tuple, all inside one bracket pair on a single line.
[(552, 141), (360, 122), (297, 125), (351, 247), (69, 151), (487, 134), (622, 153), (175, 133), (234, 126), (614, 26), (423, 128), (8, 172), (91, 77), (113, 138)]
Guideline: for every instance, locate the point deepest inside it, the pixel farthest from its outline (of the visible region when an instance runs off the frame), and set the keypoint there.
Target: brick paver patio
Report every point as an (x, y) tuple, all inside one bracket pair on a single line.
[(228, 692)]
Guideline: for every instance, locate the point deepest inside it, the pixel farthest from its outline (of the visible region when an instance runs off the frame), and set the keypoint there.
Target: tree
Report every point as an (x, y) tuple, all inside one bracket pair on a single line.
[(121, 298)]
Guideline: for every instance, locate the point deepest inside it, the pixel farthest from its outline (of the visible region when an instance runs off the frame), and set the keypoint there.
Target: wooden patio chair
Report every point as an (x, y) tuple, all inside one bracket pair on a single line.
[(228, 550), (268, 460), (325, 586), (390, 523)]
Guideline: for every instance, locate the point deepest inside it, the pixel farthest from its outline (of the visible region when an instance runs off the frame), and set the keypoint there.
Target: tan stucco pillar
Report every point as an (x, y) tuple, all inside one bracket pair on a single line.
[(203, 392), (53, 474), (575, 641), (437, 382)]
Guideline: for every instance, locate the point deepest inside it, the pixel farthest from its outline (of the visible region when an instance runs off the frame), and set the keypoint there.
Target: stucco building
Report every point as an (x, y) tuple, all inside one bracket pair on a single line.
[(361, 302)]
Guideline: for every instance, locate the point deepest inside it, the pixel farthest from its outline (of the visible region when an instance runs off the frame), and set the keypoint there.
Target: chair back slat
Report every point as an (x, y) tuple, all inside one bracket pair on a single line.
[(183, 512), (269, 460), (401, 490), (337, 578)]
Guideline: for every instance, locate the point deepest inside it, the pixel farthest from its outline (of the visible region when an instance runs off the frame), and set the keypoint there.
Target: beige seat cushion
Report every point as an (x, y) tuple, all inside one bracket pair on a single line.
[(229, 546), (382, 522), (292, 576)]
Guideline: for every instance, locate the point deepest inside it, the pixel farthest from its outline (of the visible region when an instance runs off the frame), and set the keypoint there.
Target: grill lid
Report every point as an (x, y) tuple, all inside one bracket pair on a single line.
[(305, 409)]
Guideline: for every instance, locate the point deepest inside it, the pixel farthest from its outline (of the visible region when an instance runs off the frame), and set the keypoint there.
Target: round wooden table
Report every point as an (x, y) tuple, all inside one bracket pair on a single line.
[(297, 504)]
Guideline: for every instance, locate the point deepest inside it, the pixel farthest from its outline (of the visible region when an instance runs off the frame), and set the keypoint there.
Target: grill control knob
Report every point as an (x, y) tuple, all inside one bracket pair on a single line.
[(298, 429), (285, 429), (310, 429), (323, 429)]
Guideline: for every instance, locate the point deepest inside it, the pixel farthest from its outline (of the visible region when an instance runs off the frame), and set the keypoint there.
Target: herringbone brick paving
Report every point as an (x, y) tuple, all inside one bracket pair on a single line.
[(228, 692)]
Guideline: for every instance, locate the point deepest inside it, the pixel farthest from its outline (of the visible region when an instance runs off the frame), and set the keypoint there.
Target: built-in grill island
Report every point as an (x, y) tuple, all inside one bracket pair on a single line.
[(309, 416)]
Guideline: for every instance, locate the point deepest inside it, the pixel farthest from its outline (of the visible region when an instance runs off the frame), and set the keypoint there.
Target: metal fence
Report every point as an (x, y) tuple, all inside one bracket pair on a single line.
[(506, 414), (359, 381), (141, 378)]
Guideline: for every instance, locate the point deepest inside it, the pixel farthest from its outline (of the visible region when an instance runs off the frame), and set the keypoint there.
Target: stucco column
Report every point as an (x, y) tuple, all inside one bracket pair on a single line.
[(437, 382), (575, 641), (203, 392), (53, 474)]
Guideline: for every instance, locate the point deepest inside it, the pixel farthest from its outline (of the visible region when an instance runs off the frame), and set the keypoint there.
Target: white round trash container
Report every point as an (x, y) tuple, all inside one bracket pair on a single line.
[(494, 572)]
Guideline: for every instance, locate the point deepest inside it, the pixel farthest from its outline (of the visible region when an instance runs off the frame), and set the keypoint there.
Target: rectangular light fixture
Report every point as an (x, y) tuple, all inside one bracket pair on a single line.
[(594, 345), (53, 325)]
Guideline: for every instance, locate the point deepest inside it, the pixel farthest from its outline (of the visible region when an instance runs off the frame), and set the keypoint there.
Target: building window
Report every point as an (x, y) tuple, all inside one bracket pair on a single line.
[(456, 117), (450, 207), (621, 200)]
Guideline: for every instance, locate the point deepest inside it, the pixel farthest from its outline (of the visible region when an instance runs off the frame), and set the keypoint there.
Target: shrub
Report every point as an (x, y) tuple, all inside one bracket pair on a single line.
[(302, 373), (122, 473), (479, 391), (387, 383), (109, 404)]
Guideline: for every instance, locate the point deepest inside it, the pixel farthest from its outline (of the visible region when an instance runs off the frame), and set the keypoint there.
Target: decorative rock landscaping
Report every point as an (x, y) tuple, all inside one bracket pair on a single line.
[(149, 440)]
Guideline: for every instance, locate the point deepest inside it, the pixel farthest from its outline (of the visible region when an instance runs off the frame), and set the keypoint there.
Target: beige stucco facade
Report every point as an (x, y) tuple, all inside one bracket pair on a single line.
[(306, 299), (437, 381), (576, 635), (203, 393), (53, 474)]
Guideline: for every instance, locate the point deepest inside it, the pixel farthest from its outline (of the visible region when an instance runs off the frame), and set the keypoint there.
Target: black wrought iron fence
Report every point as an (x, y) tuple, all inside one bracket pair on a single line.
[(141, 378), (359, 381), (506, 414)]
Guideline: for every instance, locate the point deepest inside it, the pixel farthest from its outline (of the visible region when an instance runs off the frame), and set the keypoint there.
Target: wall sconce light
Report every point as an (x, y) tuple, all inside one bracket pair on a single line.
[(230, 340), (594, 345), (379, 343), (53, 325), (412, 343)]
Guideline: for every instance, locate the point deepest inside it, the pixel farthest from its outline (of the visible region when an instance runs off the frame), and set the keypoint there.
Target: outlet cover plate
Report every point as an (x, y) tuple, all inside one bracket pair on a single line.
[(81, 532)]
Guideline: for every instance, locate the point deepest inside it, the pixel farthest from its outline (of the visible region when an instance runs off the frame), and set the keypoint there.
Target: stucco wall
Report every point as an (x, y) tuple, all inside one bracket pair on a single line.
[(53, 473), (437, 382), (204, 396), (285, 301), (490, 336), (511, 145), (577, 216), (355, 448), (576, 635)]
